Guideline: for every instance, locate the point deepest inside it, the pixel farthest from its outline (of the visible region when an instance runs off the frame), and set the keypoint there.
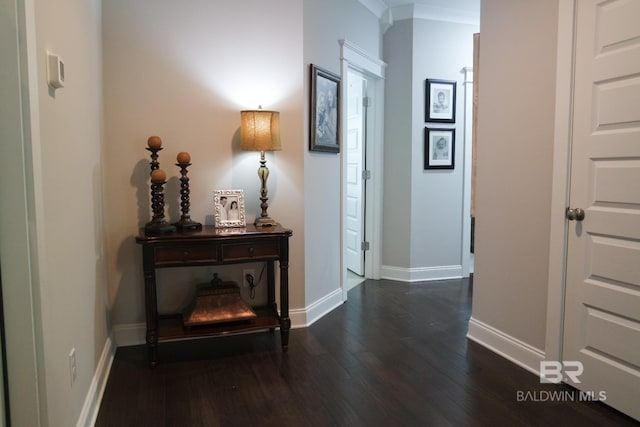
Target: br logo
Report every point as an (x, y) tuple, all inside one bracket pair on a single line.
[(552, 371)]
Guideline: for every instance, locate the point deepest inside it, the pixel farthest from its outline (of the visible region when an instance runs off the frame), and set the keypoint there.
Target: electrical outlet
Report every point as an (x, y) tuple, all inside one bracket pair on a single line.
[(248, 278), (72, 366)]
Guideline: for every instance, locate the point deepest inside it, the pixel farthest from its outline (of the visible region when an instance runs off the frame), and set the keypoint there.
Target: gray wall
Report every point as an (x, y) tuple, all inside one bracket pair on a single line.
[(515, 156), (440, 51), (398, 131), (422, 208), (325, 23), (185, 73), (56, 212)]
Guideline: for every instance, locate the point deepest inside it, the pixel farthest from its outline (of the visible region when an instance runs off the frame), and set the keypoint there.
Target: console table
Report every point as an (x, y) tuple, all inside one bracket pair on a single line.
[(215, 246)]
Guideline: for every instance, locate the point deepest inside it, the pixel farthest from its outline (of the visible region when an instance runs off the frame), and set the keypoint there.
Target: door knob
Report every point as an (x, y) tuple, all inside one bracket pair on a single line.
[(576, 214)]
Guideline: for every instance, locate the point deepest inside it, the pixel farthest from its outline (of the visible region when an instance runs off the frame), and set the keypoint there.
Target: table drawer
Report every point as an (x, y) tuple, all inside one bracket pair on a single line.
[(242, 251), (186, 254)]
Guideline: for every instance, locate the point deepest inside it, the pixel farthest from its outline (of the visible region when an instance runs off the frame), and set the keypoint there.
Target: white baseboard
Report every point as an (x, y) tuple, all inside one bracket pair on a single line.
[(421, 274), (135, 333), (130, 334), (303, 317), (519, 352), (98, 383)]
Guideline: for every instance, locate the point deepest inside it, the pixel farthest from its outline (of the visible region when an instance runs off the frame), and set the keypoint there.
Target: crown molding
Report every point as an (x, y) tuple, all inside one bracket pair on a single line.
[(388, 15), (377, 7), (436, 13)]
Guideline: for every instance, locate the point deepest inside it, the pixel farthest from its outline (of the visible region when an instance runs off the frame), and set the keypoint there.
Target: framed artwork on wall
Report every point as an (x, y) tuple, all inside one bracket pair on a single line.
[(324, 132), (439, 148), (228, 207), (440, 105)]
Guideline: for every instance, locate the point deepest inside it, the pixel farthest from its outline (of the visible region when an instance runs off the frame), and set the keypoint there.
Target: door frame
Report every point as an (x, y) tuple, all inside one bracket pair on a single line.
[(565, 59), (373, 69), (20, 272)]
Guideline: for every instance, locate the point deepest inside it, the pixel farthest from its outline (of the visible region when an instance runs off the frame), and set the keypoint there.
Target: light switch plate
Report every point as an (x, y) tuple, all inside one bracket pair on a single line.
[(55, 71)]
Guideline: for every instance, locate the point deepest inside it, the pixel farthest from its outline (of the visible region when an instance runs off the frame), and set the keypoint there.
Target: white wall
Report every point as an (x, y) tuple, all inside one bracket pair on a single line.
[(422, 208), (515, 156), (185, 73), (57, 179)]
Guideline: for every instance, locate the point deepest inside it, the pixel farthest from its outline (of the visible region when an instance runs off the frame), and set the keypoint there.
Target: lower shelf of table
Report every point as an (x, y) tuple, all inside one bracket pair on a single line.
[(170, 327)]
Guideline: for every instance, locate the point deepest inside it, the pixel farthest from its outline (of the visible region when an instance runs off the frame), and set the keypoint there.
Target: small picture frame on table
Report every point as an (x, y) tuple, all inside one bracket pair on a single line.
[(439, 148), (324, 111), (228, 206), (440, 99)]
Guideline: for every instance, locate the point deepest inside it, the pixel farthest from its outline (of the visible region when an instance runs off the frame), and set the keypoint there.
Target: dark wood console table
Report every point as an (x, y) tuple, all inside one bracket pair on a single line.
[(215, 246)]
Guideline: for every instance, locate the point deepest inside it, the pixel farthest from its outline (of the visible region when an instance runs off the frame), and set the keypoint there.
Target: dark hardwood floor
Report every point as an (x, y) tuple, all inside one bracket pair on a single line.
[(394, 355)]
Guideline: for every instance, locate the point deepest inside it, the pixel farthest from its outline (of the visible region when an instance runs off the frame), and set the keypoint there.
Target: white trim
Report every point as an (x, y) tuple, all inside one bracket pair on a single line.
[(421, 274), (359, 59), (519, 352), (98, 383), (304, 317), (560, 181), (466, 257)]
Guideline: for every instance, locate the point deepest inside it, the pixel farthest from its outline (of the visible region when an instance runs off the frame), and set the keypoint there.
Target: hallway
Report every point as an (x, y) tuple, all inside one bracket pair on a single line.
[(394, 354)]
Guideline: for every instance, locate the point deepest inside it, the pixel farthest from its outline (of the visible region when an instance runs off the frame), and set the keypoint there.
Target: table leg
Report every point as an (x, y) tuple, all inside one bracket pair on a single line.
[(151, 311), (285, 322)]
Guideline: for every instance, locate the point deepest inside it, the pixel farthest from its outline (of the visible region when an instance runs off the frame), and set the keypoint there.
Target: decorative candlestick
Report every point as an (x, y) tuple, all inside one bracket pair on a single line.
[(158, 225), (185, 223), (154, 145)]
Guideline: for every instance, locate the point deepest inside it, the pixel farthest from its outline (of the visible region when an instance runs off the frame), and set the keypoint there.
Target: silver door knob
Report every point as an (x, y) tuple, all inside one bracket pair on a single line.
[(576, 214)]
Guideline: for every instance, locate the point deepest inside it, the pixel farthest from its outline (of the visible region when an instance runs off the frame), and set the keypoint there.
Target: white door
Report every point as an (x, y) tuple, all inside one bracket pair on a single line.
[(602, 305), (355, 152)]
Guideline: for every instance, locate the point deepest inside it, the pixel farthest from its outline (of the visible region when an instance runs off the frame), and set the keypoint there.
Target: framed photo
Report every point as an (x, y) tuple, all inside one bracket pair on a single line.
[(439, 148), (324, 132), (228, 206), (440, 101)]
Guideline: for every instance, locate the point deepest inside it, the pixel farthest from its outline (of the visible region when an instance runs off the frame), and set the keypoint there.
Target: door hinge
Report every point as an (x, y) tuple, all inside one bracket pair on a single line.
[(366, 174), (366, 102), (364, 246)]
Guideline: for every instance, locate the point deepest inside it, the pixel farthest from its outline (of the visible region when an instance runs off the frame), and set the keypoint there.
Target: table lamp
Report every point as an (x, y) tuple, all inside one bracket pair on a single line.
[(260, 131)]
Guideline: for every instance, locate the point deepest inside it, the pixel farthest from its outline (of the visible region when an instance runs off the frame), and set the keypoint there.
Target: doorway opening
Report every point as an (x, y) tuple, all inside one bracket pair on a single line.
[(362, 133)]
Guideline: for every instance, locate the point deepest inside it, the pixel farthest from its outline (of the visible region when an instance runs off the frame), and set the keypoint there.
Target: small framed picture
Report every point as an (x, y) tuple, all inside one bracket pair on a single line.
[(228, 206), (439, 148), (324, 132), (440, 101)]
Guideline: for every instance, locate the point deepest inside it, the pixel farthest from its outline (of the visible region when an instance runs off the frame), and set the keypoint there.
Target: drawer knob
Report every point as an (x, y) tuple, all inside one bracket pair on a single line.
[(251, 252), (186, 255)]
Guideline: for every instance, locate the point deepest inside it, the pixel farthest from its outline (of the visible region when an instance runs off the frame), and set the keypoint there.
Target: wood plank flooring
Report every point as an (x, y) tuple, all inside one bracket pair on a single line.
[(395, 354)]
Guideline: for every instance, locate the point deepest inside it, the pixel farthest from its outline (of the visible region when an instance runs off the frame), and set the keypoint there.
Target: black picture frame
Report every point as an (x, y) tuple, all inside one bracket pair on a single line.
[(439, 148), (440, 101), (324, 111)]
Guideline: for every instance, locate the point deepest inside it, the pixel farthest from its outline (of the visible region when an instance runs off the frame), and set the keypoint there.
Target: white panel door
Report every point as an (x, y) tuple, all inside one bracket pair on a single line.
[(602, 305), (355, 151)]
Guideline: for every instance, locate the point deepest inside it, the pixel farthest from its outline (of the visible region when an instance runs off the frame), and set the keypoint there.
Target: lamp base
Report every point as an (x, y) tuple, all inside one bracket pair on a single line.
[(187, 224), (264, 221)]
